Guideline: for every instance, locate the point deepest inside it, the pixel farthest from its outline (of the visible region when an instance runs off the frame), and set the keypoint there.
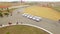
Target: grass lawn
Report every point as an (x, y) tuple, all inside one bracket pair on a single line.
[(21, 29), (56, 8), (43, 12), (9, 4)]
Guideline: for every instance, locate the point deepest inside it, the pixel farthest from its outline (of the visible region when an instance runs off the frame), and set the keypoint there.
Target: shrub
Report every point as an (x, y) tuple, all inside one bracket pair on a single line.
[(8, 10), (7, 33), (6, 14), (1, 15)]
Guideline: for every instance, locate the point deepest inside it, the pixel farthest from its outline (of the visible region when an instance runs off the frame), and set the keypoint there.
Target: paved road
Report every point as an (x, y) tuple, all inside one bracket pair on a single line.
[(47, 24)]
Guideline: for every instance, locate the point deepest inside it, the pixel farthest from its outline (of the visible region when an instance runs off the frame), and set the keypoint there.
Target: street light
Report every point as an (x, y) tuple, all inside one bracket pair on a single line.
[(21, 1)]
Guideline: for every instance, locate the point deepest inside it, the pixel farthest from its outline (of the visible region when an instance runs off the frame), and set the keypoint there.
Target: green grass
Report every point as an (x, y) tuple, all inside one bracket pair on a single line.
[(21, 29), (6, 12), (56, 8)]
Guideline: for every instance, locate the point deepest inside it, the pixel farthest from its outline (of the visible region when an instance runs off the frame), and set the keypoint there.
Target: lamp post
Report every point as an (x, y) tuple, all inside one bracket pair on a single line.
[(21, 1)]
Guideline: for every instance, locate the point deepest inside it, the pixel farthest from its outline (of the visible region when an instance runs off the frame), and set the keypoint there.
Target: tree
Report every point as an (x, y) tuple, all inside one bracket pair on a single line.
[(1, 15), (6, 14)]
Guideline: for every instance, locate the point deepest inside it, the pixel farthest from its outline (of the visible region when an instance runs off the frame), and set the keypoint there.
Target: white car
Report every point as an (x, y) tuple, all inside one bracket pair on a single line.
[(25, 14), (37, 18), (31, 17)]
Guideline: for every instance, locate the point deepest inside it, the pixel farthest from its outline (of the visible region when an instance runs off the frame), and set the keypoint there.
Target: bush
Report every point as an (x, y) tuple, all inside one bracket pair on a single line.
[(6, 14), (1, 15), (8, 10)]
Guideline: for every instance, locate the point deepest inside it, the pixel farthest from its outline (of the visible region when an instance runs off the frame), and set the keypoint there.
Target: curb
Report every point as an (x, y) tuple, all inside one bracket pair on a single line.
[(28, 25)]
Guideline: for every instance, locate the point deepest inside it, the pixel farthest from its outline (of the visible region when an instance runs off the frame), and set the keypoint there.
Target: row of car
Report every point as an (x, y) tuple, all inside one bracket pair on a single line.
[(35, 18)]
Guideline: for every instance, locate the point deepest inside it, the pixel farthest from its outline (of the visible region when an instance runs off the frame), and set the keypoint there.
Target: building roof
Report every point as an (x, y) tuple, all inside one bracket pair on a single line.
[(4, 6)]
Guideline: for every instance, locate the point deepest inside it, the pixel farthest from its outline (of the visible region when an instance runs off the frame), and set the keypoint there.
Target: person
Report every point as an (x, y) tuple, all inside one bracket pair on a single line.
[(0, 24), (17, 23), (11, 14), (18, 12), (59, 21), (9, 23), (21, 22)]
